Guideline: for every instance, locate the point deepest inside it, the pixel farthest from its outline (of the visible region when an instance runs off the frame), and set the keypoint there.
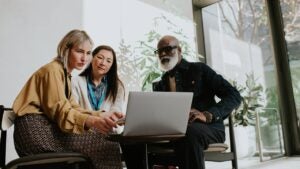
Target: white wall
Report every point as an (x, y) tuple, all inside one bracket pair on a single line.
[(29, 33), (102, 20)]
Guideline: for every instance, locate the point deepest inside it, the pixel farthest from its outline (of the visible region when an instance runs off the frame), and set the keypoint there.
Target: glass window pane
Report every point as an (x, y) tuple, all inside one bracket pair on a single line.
[(238, 45), (133, 27)]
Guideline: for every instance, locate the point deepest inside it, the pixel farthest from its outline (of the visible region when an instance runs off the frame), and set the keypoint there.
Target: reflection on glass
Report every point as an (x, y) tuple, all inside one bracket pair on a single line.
[(291, 19), (143, 23), (238, 45), (133, 27)]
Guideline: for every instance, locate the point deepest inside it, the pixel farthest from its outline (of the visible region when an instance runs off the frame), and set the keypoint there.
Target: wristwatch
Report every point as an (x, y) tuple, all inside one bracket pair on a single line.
[(209, 117)]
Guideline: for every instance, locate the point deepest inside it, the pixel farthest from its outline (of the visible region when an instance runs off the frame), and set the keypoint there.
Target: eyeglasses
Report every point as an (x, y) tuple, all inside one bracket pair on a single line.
[(167, 50)]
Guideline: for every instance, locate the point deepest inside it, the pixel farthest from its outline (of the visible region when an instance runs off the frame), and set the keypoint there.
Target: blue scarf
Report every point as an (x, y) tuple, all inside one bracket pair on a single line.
[(96, 93)]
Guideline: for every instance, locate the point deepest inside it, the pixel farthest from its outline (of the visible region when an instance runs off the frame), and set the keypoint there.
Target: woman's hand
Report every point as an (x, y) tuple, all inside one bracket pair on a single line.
[(103, 123), (114, 116)]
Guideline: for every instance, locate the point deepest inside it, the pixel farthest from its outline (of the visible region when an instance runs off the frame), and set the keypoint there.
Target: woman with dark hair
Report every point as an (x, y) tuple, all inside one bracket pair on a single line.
[(99, 88)]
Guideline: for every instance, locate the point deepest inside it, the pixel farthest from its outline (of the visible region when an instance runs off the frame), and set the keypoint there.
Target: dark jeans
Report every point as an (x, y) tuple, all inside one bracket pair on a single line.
[(189, 150)]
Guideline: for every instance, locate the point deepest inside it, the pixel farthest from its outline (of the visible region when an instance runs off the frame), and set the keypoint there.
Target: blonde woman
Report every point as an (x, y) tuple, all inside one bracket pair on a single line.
[(48, 118)]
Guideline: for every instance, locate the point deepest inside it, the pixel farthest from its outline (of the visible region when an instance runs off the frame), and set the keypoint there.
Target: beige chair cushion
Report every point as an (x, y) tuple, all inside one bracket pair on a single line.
[(217, 147)]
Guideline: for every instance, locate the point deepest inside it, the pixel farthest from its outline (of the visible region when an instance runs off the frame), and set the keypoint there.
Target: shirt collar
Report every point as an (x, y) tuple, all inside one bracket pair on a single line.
[(103, 81)]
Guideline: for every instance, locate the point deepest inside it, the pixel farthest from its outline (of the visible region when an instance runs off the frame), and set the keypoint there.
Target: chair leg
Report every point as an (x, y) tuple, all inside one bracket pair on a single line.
[(3, 149), (234, 164)]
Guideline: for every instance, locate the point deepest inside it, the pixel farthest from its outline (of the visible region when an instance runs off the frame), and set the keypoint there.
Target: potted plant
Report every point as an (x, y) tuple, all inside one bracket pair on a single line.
[(244, 117), (251, 93)]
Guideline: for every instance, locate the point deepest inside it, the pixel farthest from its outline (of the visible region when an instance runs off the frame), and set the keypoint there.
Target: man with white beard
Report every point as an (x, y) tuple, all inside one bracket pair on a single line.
[(206, 115)]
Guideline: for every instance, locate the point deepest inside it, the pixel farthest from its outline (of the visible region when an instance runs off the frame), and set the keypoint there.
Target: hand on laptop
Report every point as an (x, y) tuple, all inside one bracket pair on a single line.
[(113, 116), (103, 123), (121, 121)]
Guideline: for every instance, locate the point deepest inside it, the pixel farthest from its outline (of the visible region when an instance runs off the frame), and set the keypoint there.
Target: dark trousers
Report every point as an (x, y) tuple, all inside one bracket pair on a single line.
[(189, 150)]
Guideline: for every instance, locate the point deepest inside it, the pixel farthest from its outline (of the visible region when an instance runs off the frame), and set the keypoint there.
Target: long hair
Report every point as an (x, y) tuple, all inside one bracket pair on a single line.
[(73, 38), (113, 80)]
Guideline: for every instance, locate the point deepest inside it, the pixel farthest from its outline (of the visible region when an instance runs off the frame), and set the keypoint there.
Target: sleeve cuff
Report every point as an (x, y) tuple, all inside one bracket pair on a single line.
[(80, 122), (215, 114)]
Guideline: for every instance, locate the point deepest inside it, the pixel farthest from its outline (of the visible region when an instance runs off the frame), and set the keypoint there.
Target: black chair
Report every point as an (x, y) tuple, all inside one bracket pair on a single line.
[(37, 161), (218, 153), (159, 154)]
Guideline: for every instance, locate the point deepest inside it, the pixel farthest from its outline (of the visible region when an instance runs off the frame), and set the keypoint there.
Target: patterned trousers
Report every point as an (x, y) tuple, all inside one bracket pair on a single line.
[(35, 133)]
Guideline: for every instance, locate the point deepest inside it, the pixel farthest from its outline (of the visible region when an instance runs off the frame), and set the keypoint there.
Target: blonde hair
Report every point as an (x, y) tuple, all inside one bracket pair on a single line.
[(73, 38)]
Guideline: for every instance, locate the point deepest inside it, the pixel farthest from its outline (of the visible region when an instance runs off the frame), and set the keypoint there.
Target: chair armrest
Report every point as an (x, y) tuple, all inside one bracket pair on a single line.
[(48, 159), (7, 117)]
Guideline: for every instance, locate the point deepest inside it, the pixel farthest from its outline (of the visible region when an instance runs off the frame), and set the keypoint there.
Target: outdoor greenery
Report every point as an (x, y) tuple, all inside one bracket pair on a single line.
[(128, 71), (247, 20), (270, 114), (141, 62), (251, 93)]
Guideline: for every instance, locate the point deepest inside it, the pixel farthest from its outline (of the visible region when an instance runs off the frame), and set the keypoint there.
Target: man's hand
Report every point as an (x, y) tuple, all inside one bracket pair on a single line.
[(205, 117), (196, 114)]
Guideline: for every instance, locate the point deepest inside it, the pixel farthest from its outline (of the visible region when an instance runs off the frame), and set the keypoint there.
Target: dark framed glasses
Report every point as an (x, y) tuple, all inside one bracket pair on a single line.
[(167, 50)]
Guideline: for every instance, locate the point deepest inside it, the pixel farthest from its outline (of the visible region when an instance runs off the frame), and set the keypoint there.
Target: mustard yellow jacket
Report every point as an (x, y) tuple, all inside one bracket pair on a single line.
[(44, 93)]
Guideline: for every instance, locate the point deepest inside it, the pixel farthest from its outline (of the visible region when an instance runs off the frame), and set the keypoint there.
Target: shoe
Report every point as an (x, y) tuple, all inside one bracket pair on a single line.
[(159, 167)]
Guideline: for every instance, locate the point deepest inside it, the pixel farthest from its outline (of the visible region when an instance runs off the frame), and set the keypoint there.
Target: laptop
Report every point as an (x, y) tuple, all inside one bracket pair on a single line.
[(157, 113)]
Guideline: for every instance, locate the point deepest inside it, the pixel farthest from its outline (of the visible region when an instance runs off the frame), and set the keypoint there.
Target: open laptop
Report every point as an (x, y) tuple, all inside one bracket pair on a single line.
[(157, 113)]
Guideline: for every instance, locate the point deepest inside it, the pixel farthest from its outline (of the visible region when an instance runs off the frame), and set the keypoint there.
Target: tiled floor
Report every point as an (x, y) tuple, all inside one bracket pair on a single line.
[(253, 163)]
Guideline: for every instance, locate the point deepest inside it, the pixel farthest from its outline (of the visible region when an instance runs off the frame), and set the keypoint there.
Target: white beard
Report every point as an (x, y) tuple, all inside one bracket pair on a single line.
[(169, 64)]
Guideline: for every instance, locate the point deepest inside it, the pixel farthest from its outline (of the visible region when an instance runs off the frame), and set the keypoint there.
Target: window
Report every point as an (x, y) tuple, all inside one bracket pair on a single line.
[(238, 46), (134, 27)]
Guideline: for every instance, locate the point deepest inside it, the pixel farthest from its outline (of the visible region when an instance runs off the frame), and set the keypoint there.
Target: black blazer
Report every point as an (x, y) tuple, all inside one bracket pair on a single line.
[(205, 83)]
